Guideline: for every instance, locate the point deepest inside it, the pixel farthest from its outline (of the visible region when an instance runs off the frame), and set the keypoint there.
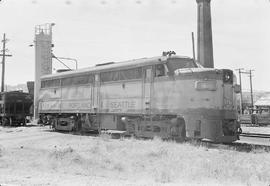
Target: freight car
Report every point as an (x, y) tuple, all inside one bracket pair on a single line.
[(168, 96), (15, 107)]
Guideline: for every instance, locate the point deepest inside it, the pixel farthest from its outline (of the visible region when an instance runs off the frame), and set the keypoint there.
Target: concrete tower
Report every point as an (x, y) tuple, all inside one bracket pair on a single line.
[(43, 58), (205, 43)]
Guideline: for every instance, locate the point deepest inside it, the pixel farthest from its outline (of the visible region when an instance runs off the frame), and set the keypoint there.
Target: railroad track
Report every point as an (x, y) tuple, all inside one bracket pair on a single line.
[(238, 145), (255, 135)]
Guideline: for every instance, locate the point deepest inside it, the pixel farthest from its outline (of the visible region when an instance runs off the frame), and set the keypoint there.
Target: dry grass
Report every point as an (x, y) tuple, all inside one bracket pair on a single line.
[(136, 162), (156, 161)]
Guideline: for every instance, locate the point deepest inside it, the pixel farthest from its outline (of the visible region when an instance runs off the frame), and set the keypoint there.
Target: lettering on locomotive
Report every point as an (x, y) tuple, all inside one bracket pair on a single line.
[(120, 105)]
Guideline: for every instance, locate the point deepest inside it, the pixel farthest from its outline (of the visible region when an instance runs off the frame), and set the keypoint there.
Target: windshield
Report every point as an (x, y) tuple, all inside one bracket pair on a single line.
[(175, 64)]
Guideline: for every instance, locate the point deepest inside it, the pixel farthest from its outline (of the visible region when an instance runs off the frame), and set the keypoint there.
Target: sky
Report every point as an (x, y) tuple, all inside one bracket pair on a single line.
[(99, 31)]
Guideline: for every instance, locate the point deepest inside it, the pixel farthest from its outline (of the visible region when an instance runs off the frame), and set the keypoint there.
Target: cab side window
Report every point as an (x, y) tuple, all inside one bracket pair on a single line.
[(1, 108), (159, 70), (148, 73)]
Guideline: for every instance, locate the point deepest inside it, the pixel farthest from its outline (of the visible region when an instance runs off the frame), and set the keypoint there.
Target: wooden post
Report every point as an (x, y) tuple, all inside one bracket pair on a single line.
[(3, 62)]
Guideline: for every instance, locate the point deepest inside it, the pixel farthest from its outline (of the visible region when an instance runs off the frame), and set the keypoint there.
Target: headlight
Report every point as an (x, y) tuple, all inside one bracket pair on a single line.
[(227, 76)]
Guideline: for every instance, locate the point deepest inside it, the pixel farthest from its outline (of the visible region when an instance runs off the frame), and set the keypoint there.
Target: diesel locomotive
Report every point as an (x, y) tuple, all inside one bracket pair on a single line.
[(169, 96)]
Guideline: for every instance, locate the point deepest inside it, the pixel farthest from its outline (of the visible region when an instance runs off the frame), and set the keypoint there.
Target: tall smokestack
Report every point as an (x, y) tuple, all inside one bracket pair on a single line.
[(205, 43)]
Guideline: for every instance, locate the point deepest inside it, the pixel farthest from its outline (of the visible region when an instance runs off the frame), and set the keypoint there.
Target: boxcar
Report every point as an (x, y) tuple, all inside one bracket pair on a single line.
[(165, 96), (15, 107)]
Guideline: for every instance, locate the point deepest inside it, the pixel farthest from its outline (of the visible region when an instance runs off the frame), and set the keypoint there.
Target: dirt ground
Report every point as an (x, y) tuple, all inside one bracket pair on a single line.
[(39, 156)]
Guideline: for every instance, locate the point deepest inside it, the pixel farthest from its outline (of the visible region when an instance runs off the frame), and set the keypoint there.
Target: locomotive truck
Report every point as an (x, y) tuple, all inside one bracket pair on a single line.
[(169, 96)]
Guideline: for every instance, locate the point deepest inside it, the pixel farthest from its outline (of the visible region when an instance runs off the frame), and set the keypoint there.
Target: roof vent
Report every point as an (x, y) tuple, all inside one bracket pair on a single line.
[(103, 64), (62, 70)]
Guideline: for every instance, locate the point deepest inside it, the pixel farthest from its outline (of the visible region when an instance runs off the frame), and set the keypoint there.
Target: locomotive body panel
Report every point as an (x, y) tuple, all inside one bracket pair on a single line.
[(123, 97), (178, 95)]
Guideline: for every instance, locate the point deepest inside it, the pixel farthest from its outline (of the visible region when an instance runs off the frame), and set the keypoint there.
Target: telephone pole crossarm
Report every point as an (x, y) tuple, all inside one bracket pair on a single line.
[(7, 55)]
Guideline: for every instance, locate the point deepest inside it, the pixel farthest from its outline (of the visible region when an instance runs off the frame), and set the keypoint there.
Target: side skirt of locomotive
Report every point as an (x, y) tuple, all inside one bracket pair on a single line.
[(142, 126)]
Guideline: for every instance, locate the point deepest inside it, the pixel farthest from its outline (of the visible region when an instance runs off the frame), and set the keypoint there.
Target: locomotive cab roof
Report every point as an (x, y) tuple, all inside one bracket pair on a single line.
[(124, 65)]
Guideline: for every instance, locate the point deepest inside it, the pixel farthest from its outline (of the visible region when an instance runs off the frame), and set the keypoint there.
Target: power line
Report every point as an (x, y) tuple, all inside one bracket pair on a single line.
[(53, 56), (68, 58)]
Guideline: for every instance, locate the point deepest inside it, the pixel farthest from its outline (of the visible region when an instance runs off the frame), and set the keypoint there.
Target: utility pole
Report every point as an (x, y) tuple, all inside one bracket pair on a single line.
[(241, 96), (193, 46), (251, 90), (249, 72), (4, 55)]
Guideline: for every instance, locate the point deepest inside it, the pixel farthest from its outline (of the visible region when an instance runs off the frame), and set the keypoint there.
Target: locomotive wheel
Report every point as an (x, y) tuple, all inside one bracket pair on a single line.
[(6, 121)]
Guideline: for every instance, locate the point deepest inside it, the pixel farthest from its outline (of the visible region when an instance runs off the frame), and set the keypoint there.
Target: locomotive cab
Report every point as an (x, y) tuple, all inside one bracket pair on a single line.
[(175, 63)]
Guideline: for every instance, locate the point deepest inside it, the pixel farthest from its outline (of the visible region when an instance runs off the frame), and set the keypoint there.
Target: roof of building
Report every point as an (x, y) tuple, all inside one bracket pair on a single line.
[(263, 101)]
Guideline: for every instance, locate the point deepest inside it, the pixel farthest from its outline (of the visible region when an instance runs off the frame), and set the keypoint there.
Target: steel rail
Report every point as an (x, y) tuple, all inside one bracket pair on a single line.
[(255, 135), (233, 146)]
